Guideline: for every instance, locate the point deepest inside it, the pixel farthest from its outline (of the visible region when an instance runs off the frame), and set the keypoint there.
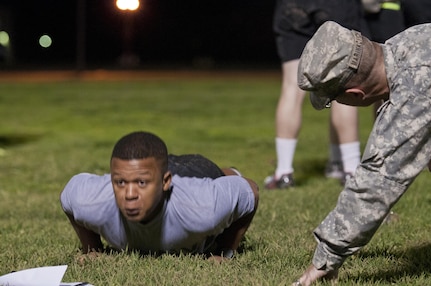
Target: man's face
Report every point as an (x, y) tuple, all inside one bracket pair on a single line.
[(139, 186)]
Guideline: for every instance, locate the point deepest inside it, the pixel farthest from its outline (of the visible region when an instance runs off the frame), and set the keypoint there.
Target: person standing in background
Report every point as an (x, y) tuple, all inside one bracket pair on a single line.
[(384, 19), (295, 21)]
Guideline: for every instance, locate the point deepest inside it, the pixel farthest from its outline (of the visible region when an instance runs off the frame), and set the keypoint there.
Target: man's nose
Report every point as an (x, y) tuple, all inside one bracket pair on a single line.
[(131, 192)]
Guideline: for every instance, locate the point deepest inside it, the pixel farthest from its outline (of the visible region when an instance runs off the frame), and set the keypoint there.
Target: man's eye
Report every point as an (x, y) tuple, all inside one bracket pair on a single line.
[(141, 183), (121, 183)]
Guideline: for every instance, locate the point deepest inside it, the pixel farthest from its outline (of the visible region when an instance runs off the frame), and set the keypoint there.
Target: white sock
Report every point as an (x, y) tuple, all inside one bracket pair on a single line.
[(351, 156), (285, 149), (334, 153)]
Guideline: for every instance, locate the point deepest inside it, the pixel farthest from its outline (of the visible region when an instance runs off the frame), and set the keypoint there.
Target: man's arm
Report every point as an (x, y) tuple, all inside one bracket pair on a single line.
[(231, 237), (90, 240)]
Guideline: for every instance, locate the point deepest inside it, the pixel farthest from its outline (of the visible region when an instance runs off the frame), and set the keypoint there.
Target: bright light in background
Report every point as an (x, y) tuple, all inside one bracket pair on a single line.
[(45, 41), (128, 4), (4, 38)]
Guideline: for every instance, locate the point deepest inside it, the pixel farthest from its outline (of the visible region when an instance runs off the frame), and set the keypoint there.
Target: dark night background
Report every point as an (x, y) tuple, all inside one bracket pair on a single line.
[(190, 33)]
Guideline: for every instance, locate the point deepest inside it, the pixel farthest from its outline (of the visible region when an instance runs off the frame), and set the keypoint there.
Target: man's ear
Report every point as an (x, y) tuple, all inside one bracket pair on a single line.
[(167, 178), (356, 92)]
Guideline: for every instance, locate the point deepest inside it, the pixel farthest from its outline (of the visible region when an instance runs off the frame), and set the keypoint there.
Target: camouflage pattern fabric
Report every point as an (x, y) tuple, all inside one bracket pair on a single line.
[(398, 149), (328, 62)]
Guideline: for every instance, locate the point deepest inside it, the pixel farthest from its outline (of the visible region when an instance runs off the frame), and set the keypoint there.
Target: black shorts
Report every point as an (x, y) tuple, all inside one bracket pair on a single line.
[(385, 24), (193, 165), (295, 22), (416, 11)]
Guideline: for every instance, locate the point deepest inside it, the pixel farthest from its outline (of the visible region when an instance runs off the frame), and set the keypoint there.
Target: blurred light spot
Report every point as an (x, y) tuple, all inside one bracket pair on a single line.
[(45, 41), (128, 4), (4, 38)]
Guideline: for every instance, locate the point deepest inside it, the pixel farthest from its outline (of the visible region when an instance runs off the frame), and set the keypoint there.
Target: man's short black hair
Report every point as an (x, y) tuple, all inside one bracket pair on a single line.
[(141, 145)]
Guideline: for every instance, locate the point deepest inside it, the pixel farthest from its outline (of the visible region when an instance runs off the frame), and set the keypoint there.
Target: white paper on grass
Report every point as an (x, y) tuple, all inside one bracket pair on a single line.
[(40, 276)]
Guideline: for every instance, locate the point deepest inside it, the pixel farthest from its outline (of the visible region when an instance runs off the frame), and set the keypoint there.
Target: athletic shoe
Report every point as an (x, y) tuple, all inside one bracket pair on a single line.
[(334, 170), (285, 181)]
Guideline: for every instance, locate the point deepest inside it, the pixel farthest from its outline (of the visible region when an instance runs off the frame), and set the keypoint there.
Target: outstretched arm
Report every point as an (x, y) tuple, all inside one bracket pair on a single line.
[(90, 240), (231, 237)]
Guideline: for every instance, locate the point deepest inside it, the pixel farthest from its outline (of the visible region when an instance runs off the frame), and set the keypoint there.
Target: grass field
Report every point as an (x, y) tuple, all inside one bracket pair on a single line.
[(53, 129)]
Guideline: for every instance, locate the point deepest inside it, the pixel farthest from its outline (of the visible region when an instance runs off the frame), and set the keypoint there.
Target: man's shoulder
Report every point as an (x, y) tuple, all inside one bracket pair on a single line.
[(409, 51), (199, 204), (90, 179), (416, 36), (191, 204), (86, 188), (90, 198)]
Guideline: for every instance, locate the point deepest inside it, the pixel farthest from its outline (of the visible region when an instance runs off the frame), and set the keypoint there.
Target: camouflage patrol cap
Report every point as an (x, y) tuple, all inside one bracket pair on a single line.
[(328, 61)]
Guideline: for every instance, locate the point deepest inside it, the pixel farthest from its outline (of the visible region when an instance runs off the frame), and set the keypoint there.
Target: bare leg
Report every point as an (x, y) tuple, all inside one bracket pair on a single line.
[(289, 109), (344, 133), (288, 123), (344, 123)]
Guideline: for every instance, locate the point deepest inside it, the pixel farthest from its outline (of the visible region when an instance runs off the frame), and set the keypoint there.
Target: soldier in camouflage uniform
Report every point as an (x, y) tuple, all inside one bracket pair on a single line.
[(341, 62)]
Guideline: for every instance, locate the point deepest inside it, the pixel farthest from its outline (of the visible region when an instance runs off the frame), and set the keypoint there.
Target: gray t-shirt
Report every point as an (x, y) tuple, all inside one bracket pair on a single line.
[(196, 211)]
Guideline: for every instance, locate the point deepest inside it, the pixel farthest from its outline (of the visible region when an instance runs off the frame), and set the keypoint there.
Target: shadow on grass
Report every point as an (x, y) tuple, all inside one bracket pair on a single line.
[(245, 245), (17, 139), (305, 170), (411, 263)]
